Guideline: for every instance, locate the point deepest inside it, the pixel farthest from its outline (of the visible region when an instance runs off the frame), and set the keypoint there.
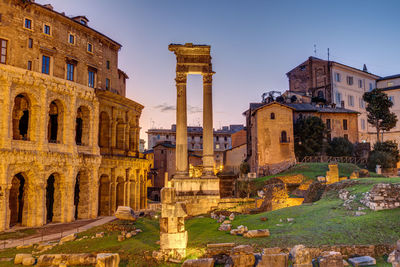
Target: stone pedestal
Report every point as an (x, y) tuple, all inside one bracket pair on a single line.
[(173, 237), (332, 176)]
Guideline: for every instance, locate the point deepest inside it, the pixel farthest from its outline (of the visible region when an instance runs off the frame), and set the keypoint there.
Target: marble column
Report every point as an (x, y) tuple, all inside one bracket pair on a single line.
[(208, 144), (181, 127)]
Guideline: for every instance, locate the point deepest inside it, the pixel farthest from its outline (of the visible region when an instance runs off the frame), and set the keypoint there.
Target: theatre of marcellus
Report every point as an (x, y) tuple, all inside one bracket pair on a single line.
[(68, 135)]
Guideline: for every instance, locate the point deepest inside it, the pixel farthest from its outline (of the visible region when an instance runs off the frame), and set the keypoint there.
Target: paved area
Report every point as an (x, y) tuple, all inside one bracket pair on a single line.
[(54, 234)]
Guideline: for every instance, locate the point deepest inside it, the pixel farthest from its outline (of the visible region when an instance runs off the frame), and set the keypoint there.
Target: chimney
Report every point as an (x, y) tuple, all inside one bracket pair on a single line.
[(365, 68), (48, 6)]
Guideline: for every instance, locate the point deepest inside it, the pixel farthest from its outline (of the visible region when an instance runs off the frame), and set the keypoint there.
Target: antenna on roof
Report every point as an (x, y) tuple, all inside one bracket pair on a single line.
[(328, 53), (315, 50)]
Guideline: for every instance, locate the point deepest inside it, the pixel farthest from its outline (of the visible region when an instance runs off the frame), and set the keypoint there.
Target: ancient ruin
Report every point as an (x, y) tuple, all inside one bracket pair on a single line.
[(201, 193)]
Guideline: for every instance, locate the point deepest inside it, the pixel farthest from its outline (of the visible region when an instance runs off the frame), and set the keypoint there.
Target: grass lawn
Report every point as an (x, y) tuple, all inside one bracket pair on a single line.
[(324, 222)]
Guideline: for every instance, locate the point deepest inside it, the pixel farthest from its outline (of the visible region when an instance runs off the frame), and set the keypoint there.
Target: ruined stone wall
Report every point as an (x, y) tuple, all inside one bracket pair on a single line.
[(382, 197), (56, 45)]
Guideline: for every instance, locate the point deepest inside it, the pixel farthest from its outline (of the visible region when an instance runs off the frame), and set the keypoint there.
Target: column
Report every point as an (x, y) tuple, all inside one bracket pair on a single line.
[(208, 144), (181, 126)]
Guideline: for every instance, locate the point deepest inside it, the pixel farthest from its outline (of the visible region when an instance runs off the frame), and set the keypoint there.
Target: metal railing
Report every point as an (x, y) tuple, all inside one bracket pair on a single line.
[(330, 159)]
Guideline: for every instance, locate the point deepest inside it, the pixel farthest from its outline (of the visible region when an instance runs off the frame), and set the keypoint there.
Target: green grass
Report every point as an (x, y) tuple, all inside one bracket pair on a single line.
[(324, 222), (18, 234)]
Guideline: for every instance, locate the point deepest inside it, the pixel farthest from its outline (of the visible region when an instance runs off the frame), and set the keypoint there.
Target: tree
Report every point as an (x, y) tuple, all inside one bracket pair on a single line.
[(339, 147), (309, 134), (385, 154), (378, 109)]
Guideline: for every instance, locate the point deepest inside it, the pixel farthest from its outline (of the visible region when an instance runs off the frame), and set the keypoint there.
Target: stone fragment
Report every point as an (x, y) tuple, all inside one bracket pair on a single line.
[(225, 227), (81, 259), (345, 263), (274, 260), (242, 249), (362, 261), (232, 216), (301, 255), (207, 262), (100, 235), (256, 233), (128, 235), (28, 261), (214, 216), (330, 259), (68, 238), (107, 260), (125, 213), (219, 248), (19, 257), (121, 238), (243, 260), (221, 218), (226, 222), (360, 213), (290, 219), (275, 250)]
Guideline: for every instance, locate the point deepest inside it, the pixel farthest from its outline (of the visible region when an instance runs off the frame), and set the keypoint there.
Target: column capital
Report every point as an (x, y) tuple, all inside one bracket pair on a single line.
[(181, 77), (207, 77)]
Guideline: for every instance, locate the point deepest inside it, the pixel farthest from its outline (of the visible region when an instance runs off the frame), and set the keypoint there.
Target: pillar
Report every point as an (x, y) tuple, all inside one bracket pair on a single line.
[(181, 126), (208, 144)]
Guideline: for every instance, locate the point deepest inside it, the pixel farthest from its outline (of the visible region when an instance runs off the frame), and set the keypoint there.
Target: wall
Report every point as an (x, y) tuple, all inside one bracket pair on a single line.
[(234, 157)]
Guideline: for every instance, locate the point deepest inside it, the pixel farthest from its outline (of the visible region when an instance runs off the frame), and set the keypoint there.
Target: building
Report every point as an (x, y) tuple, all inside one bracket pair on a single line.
[(235, 156), (68, 137), (222, 137), (270, 137), (335, 83)]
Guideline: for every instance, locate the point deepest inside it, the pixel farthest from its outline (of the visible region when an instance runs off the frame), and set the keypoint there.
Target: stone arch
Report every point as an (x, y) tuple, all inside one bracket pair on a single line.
[(53, 198), (16, 199), (82, 128), (56, 122), (104, 195), (120, 192), (81, 195), (104, 129), (21, 117), (120, 133)]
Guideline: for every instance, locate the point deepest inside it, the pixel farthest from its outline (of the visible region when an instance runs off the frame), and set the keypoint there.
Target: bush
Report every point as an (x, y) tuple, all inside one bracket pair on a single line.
[(340, 147), (382, 158)]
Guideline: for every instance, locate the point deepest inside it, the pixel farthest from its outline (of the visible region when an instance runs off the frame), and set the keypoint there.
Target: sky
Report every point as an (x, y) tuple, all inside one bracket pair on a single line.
[(254, 44)]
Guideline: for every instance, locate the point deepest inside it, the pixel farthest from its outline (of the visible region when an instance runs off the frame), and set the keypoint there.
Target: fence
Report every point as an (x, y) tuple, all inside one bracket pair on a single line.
[(329, 159)]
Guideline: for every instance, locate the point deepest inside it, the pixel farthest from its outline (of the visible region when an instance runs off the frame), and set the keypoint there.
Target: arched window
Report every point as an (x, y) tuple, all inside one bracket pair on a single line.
[(54, 133), (82, 126), (284, 137), (20, 117), (272, 116)]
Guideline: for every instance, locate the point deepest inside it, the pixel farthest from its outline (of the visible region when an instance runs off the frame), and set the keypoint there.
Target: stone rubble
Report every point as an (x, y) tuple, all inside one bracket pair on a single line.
[(382, 196), (394, 257), (362, 261)]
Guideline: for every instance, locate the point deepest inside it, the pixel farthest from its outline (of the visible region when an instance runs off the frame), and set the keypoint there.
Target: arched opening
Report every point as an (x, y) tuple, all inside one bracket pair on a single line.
[(120, 192), (82, 126), (20, 117), (104, 130), (54, 133), (272, 116), (16, 199), (132, 140), (104, 196), (120, 135), (53, 199), (320, 94), (284, 137), (81, 196)]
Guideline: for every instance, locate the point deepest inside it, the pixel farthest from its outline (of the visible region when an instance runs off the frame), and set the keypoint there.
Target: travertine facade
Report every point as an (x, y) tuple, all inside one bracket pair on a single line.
[(62, 99)]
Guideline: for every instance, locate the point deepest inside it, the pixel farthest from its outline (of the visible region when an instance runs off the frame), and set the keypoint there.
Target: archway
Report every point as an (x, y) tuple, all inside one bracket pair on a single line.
[(104, 196), (20, 117), (104, 130), (120, 196), (55, 125), (120, 135), (81, 196), (16, 199), (82, 126), (53, 199)]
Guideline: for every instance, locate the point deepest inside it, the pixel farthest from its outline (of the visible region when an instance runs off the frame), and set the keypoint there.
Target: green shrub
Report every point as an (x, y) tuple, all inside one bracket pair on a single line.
[(340, 147), (385, 154)]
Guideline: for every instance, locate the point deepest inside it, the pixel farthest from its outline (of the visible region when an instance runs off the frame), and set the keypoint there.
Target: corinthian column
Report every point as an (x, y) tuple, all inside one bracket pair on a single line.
[(181, 126), (208, 144)]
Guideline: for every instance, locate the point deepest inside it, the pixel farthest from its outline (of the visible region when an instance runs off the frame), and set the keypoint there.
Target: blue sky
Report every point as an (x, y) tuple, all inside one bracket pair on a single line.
[(253, 44)]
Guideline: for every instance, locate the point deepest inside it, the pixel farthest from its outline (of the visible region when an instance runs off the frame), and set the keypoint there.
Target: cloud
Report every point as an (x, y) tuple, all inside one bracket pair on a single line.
[(165, 107)]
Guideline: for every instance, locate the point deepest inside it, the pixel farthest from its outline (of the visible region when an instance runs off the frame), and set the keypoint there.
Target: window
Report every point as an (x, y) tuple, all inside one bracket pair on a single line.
[(329, 137), (362, 103), (30, 43), (70, 71), (217, 138), (351, 100), (108, 64), (217, 146), (370, 87), (362, 124), (344, 124), (46, 29), (389, 84), (3, 52), (328, 124), (90, 47), (360, 83), (29, 65), (167, 136), (28, 24), (91, 76), (272, 116), (71, 39), (46, 65), (226, 138), (108, 84), (284, 138), (158, 136), (226, 146), (350, 80), (338, 98), (337, 77)]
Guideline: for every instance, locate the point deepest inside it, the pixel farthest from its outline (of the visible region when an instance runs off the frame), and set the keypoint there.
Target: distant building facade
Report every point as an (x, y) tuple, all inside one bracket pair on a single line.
[(236, 155)]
